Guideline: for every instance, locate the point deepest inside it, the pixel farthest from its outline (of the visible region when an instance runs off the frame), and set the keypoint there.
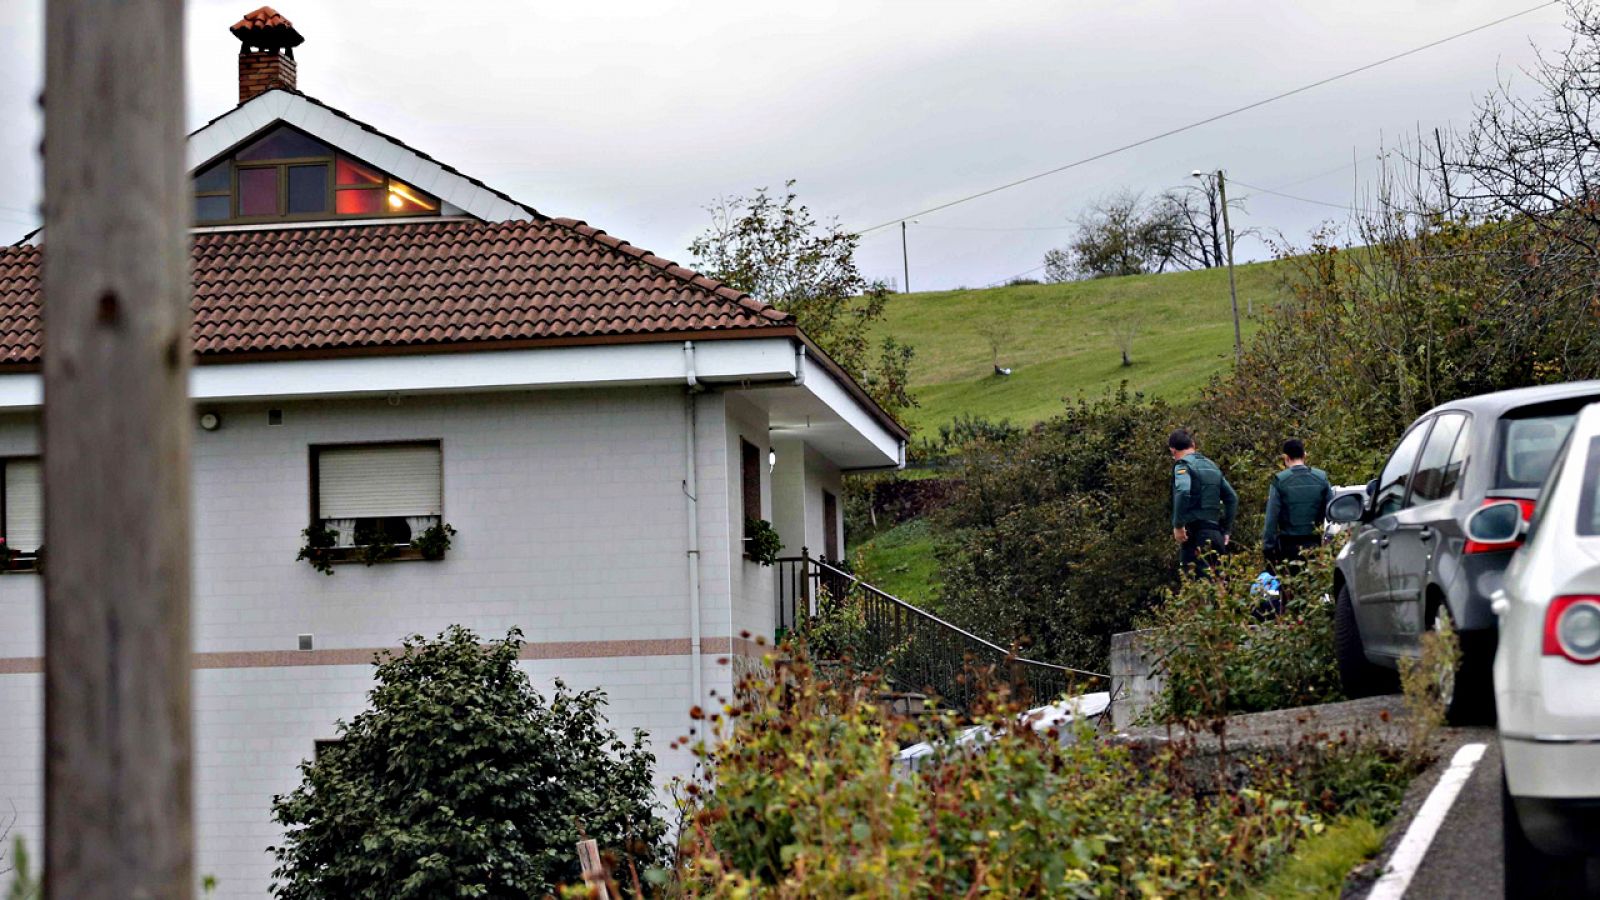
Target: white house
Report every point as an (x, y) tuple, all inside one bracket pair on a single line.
[(384, 345)]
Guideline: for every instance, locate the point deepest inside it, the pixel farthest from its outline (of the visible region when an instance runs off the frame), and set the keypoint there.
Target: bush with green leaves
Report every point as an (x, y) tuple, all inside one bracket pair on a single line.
[(461, 780), (801, 798), (1061, 536), (1221, 653), (761, 541)]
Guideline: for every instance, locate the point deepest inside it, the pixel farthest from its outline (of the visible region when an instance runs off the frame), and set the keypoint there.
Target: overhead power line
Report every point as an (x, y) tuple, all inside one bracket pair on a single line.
[(1347, 207), (1208, 120), (1344, 206)]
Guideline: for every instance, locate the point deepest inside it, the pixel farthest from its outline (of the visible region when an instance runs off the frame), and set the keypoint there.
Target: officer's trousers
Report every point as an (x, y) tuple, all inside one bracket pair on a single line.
[(1201, 550)]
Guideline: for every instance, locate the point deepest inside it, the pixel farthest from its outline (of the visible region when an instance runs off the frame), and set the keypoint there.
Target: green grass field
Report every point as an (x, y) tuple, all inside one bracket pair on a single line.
[(1061, 340), (901, 562)]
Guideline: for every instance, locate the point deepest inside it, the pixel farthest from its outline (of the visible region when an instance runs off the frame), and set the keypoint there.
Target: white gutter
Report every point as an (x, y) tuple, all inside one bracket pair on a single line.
[(691, 490)]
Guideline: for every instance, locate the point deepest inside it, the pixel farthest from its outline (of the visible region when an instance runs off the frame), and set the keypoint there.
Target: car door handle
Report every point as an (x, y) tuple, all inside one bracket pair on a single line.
[(1425, 534), (1382, 542)]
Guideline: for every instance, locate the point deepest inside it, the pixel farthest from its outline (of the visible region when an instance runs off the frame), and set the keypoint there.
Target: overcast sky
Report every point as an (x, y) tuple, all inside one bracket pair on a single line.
[(634, 115)]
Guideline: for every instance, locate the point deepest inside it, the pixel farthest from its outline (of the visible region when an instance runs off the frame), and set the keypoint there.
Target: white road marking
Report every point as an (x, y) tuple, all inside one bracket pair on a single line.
[(1413, 848)]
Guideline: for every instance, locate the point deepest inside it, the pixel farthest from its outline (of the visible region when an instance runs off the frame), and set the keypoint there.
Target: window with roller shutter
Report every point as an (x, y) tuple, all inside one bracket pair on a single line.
[(378, 493), (23, 502)]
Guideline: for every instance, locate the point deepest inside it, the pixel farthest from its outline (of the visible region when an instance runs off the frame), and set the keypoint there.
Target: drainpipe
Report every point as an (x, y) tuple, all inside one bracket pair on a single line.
[(800, 363), (691, 491)]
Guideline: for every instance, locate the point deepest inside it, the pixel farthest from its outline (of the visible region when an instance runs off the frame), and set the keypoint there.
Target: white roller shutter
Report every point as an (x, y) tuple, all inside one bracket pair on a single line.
[(379, 481), (24, 505)]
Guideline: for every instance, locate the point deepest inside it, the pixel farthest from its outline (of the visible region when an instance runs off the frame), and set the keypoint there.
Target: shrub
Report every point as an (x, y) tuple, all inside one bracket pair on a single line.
[(462, 781), (1425, 680), (1221, 655), (434, 542), (801, 798), (761, 541), (1061, 536), (317, 548)]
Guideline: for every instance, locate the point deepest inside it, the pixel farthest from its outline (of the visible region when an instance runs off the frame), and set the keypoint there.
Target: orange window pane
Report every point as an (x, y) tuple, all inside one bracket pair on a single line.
[(357, 201), (351, 172), (403, 198)]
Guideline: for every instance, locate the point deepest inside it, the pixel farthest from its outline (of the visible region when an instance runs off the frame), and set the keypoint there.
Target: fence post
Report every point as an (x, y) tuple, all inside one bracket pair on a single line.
[(805, 579), (116, 430), (594, 871)]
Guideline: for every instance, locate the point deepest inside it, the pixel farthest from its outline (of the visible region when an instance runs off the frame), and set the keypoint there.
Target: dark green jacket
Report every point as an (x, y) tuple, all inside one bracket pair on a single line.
[(1201, 494), (1297, 503)]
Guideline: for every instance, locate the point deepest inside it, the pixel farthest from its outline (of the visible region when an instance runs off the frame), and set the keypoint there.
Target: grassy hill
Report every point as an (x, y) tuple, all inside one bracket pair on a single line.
[(1061, 340)]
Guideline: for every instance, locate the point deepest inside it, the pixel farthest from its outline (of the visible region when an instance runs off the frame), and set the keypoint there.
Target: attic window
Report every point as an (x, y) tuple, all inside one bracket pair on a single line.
[(287, 175)]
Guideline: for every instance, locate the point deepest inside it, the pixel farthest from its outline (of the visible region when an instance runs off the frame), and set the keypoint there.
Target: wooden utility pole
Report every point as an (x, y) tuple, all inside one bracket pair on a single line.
[(1233, 289), (118, 800), (905, 259)]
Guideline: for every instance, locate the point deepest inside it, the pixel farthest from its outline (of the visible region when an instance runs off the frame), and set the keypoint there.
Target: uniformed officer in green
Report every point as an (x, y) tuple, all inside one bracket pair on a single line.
[(1297, 504), (1203, 504)]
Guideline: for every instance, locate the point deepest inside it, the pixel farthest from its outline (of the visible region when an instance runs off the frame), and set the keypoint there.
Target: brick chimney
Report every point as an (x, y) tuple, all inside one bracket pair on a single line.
[(266, 52)]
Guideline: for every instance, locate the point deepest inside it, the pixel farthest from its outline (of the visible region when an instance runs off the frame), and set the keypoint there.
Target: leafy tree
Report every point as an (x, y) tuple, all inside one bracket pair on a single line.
[(462, 781), (1059, 267), (775, 250), (1120, 235)]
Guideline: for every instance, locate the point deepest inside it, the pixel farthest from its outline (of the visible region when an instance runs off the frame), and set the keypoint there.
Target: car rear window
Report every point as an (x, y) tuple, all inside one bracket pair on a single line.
[(1588, 507), (1528, 445)]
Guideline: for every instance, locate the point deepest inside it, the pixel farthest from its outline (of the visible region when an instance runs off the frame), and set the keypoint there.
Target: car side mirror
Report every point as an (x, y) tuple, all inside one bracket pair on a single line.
[(1347, 509), (1496, 523)]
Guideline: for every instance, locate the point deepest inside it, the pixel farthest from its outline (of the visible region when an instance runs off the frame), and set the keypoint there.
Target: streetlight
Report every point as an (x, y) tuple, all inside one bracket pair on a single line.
[(1227, 233)]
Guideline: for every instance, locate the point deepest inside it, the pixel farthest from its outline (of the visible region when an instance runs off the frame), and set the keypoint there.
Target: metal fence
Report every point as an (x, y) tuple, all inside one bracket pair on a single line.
[(914, 649)]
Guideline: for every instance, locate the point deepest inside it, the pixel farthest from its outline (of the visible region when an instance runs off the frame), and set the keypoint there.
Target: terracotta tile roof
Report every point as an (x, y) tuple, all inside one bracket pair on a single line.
[(411, 286), (266, 24)]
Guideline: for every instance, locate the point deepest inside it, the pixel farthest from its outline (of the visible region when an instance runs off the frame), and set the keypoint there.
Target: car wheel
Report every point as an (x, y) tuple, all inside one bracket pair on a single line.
[(1358, 677), (1529, 871), (1466, 691)]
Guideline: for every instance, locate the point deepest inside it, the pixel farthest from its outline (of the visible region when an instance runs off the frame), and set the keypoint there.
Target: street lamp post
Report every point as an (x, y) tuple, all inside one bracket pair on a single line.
[(1227, 235)]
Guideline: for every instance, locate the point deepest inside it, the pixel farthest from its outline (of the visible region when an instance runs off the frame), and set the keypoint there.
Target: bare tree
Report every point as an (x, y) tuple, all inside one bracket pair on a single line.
[(1535, 155), (997, 332), (1126, 329), (1191, 218)]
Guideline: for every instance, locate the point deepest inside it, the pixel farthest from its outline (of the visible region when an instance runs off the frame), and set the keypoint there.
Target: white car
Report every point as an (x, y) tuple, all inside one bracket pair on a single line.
[(1547, 673)]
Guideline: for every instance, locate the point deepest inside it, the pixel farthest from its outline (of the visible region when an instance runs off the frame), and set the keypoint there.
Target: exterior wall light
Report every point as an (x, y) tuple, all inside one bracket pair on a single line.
[(210, 421), (772, 459)]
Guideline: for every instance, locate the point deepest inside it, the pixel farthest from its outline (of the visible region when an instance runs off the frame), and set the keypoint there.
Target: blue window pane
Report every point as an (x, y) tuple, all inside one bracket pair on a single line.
[(308, 189), (284, 143), (211, 209), (214, 178)]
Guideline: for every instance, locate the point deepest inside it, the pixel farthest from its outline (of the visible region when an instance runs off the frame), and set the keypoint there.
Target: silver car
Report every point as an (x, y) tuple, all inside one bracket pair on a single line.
[(1547, 673), (1409, 565)]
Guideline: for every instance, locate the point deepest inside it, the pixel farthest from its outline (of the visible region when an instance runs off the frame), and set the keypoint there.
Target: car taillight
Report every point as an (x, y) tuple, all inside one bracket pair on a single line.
[(1572, 628), (1527, 516)]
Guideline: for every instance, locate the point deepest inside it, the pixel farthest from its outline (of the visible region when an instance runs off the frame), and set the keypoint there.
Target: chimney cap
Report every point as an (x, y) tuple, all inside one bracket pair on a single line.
[(266, 28)]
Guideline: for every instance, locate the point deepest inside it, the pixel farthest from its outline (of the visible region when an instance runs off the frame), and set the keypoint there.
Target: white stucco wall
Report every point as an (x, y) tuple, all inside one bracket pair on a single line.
[(752, 583), (798, 481), (571, 516)]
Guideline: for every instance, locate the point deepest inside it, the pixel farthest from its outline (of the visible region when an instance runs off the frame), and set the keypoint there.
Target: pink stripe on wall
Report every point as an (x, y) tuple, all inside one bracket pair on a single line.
[(356, 656)]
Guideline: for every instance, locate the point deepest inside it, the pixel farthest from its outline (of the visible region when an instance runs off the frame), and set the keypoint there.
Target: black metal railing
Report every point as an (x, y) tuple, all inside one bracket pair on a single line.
[(913, 648)]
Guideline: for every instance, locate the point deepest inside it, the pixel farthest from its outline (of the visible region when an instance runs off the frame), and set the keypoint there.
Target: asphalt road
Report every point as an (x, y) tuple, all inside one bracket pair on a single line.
[(1464, 859)]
